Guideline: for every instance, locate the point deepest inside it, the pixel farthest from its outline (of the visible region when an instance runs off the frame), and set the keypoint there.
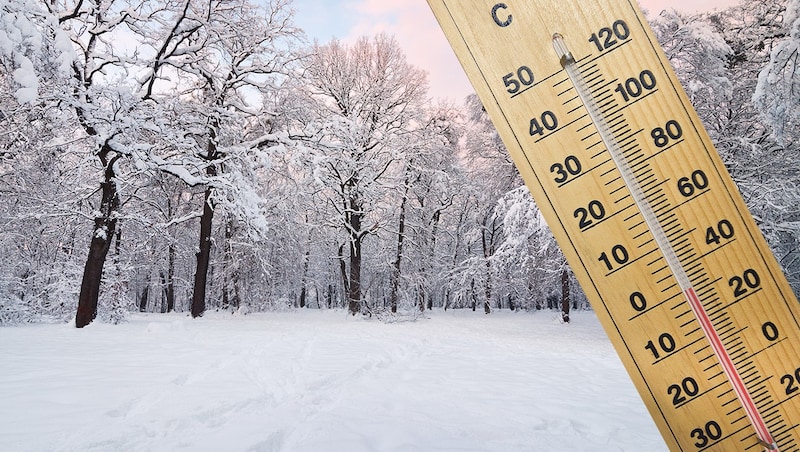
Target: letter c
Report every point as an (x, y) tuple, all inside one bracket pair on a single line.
[(497, 20)]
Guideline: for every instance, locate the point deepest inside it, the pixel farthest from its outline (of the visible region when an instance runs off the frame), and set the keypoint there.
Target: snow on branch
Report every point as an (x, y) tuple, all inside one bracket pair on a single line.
[(777, 94)]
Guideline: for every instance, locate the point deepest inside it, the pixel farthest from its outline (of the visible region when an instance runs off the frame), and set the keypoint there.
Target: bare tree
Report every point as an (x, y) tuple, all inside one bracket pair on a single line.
[(362, 100)]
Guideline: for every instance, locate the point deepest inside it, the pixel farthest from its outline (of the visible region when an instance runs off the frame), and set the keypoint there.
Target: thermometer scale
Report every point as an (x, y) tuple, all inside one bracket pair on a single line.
[(645, 212)]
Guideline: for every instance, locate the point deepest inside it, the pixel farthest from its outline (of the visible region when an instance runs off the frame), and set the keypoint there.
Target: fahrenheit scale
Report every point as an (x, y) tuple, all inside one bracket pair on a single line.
[(642, 206)]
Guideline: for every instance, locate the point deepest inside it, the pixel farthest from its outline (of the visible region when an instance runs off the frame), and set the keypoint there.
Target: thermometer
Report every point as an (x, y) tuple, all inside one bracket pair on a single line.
[(650, 221)]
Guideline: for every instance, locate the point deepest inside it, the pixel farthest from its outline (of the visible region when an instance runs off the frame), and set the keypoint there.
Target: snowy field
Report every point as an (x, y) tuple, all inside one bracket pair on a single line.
[(320, 381)]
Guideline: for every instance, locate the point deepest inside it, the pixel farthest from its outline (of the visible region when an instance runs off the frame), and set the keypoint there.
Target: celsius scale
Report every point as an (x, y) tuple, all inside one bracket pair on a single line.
[(643, 208)]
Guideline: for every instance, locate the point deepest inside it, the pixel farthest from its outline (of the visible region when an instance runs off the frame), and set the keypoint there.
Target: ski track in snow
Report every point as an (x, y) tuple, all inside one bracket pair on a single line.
[(320, 381)]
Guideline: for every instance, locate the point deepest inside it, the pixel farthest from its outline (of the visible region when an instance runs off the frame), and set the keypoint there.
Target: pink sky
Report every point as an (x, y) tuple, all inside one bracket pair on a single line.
[(425, 45)]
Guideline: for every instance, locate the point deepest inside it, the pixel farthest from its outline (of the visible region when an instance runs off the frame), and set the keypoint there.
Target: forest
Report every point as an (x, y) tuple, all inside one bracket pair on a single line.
[(166, 155)]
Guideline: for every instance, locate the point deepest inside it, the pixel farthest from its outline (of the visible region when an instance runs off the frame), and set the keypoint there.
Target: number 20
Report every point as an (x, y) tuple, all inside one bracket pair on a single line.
[(750, 280)]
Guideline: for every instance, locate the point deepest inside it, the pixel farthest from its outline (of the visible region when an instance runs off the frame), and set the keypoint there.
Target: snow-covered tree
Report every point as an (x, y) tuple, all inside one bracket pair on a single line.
[(492, 173), (134, 57), (433, 173), (151, 118), (241, 54), (39, 199), (778, 92), (33, 49), (530, 263), (361, 104), (114, 110)]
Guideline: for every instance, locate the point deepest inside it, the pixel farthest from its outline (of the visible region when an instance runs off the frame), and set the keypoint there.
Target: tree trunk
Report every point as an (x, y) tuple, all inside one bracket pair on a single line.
[(92, 274), (304, 281), (354, 283), (426, 283), (345, 277), (203, 257), (225, 299), (168, 282), (354, 280), (401, 233), (163, 278), (487, 289), (228, 271), (487, 241), (171, 279), (105, 226), (565, 298), (237, 300), (206, 222), (474, 295), (143, 299)]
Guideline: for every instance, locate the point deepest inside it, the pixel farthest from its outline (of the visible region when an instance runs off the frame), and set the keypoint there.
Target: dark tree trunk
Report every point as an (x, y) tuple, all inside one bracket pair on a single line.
[(237, 301), (354, 280), (206, 222), (225, 300), (565, 298), (90, 283), (304, 283), (487, 241), (168, 283), (354, 283), (401, 233), (105, 226), (203, 257), (171, 280), (474, 295), (301, 302), (163, 278), (230, 291), (487, 308), (144, 298), (343, 272), (229, 273)]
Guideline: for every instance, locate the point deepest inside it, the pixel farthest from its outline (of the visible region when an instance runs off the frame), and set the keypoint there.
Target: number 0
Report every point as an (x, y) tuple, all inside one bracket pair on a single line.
[(638, 302), (770, 331)]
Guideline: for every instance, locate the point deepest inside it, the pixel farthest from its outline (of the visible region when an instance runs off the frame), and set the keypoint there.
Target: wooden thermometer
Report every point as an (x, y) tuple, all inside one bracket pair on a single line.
[(642, 206)]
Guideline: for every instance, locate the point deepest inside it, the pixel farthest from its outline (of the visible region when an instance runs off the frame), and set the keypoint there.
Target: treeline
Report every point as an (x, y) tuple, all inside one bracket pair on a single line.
[(186, 156)]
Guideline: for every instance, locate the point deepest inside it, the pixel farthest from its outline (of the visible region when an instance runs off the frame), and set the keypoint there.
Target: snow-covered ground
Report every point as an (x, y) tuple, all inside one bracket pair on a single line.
[(320, 381)]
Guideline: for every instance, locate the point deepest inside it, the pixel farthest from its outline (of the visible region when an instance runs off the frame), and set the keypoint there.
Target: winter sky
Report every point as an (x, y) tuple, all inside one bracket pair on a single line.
[(415, 28)]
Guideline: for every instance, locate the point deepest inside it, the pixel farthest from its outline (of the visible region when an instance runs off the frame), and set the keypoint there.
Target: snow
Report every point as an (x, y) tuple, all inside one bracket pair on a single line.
[(320, 381), (18, 36)]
